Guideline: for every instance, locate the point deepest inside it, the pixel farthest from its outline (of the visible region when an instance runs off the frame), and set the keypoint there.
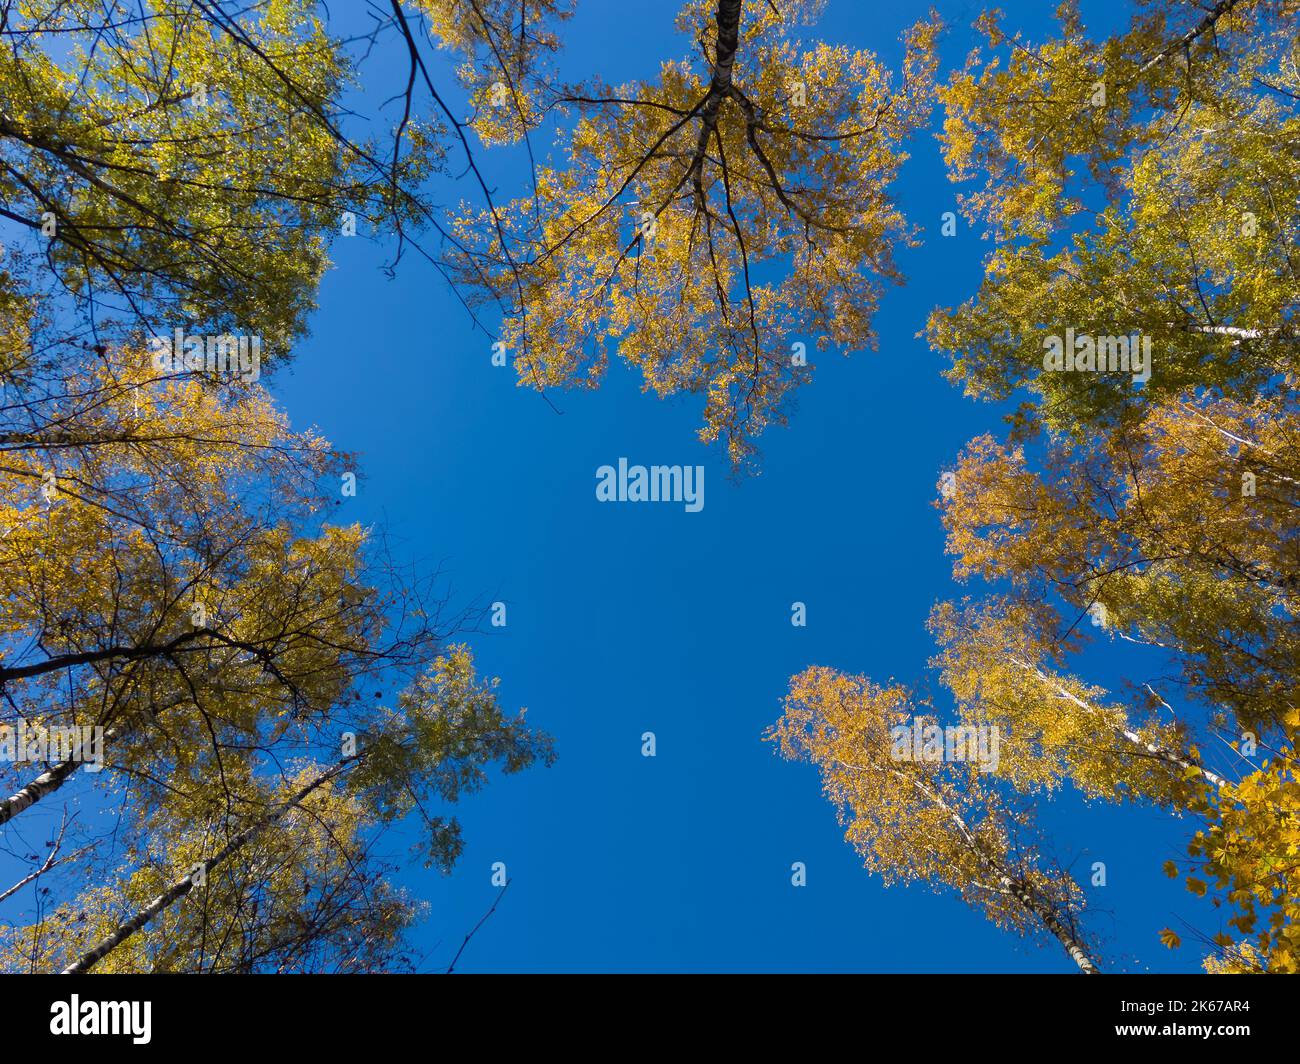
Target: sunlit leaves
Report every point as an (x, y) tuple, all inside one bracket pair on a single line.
[(1144, 184), (702, 222), (937, 823)]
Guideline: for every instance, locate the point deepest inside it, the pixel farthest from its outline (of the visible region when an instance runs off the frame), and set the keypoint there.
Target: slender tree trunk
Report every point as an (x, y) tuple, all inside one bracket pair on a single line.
[(1053, 923), (727, 17), (728, 20), (47, 782), (1217, 12), (52, 779), (182, 887), (1017, 888), (1170, 757), (1233, 330)]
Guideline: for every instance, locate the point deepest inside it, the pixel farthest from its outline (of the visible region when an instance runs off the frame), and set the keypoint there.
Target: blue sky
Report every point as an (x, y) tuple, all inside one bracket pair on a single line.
[(626, 619)]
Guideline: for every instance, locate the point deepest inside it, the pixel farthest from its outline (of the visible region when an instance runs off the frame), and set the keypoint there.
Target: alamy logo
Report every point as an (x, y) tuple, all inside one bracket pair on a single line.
[(684, 484), (923, 740), (34, 743), (102, 1017), (221, 356), (1098, 354)]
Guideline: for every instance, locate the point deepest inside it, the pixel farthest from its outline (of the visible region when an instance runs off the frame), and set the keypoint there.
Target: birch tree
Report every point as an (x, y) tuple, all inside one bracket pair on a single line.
[(918, 821), (283, 872), (1138, 188), (708, 221), (175, 575), (1145, 183)]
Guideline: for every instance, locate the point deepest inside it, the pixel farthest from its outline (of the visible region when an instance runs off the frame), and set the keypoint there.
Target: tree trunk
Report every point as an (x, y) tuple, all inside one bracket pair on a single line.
[(1053, 923), (46, 783), (1017, 888), (728, 20), (1170, 757)]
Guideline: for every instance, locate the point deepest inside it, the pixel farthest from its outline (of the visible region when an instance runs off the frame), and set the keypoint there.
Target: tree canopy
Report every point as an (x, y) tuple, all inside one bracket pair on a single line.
[(1137, 188)]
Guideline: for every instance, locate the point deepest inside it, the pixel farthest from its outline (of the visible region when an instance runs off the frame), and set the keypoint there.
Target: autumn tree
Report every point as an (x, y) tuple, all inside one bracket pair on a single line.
[(1190, 542), (707, 221), (1245, 857), (504, 50), (1142, 184), (1139, 188), (166, 581), (176, 580), (186, 165), (1189, 551), (925, 821), (190, 164), (281, 873)]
